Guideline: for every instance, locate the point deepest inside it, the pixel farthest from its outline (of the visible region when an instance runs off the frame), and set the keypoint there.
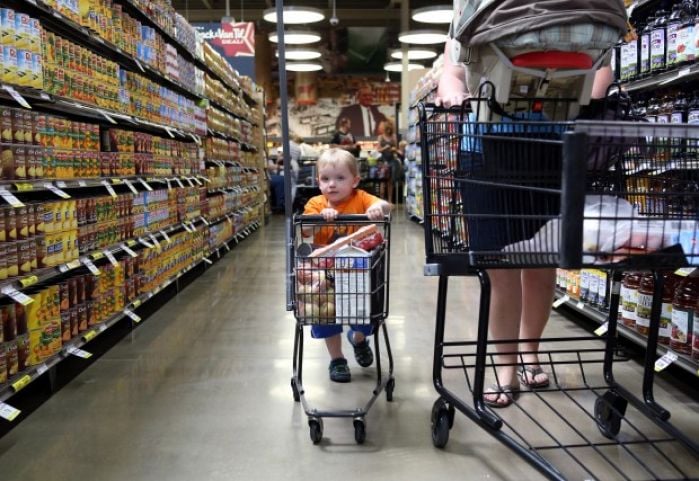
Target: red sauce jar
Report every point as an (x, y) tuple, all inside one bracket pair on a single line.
[(684, 304)]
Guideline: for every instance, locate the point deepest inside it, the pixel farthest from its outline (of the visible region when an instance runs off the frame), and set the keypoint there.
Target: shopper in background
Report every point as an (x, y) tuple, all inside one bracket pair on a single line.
[(344, 139), (365, 117), (338, 178), (277, 174), (399, 182), (388, 146), (521, 299)]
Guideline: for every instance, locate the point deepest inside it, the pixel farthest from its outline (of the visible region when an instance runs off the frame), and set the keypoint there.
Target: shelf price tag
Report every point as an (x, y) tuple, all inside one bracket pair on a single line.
[(146, 243), (225, 244), (199, 183), (24, 186), (165, 236), (138, 64), (89, 335), (91, 266), (130, 186), (685, 271), (169, 132), (205, 179), (155, 241), (667, 359), (135, 317), (29, 281), (79, 352), (179, 182), (186, 227), (580, 305), (203, 219), (17, 296), (16, 95), (82, 183), (8, 412), (111, 257), (61, 184), (108, 117), (131, 243), (60, 193), (602, 330), (42, 368), (145, 184), (21, 383), (97, 256), (10, 198), (109, 188), (128, 250), (195, 139), (208, 261), (560, 301), (169, 187)]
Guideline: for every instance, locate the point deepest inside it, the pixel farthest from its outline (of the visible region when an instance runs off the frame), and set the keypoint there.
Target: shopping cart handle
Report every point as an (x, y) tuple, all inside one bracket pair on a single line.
[(319, 219)]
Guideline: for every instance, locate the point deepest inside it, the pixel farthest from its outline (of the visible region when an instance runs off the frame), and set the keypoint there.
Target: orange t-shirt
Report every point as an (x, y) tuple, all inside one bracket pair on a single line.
[(358, 203)]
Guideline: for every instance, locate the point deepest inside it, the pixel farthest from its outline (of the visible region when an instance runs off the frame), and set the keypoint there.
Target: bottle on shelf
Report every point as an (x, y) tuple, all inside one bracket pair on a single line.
[(686, 47), (670, 281), (684, 306), (628, 61), (658, 43), (644, 49), (672, 28), (629, 299), (645, 302)]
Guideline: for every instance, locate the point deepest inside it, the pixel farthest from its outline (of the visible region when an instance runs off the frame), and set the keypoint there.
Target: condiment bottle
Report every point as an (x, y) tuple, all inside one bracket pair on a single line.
[(645, 302), (658, 42), (684, 304), (629, 298), (670, 281), (671, 31), (644, 49)]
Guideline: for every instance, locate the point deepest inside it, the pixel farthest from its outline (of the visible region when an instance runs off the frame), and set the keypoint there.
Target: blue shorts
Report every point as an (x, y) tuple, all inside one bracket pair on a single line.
[(321, 332)]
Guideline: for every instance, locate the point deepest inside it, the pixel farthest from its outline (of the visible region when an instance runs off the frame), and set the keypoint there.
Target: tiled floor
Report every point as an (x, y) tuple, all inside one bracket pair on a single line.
[(201, 392)]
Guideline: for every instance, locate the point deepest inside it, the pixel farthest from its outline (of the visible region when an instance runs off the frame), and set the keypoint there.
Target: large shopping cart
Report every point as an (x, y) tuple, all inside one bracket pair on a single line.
[(524, 192), (345, 282)]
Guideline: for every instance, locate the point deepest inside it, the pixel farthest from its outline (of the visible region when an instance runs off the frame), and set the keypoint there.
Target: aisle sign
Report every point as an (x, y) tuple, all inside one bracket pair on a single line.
[(8, 412)]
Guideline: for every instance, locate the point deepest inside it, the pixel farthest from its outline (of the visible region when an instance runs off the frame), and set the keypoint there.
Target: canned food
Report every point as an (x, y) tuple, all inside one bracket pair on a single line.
[(82, 318), (66, 328), (12, 259), (74, 326), (22, 344), (9, 64), (12, 360), (25, 256), (8, 34)]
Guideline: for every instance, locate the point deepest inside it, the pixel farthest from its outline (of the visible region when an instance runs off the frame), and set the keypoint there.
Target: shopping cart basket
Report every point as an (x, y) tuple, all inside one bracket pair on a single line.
[(522, 193), (344, 282)]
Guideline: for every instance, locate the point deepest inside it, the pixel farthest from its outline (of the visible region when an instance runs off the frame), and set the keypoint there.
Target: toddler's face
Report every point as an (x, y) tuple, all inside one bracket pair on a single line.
[(337, 183)]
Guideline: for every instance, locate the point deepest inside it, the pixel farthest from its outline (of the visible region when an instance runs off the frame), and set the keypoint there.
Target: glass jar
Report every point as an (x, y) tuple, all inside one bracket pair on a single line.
[(629, 298), (683, 308), (645, 302), (670, 282)]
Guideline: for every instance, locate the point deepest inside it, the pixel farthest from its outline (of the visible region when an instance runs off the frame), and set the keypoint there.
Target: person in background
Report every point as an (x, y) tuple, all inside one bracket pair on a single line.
[(338, 178), (344, 139), (388, 146), (400, 174), (364, 116), (521, 299)]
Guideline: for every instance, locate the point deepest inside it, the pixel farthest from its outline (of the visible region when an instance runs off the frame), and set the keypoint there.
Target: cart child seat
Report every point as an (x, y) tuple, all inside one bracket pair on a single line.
[(549, 48)]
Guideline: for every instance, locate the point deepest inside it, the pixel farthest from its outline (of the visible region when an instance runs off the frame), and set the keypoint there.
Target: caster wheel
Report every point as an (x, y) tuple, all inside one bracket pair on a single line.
[(609, 411), (295, 390), (359, 431), (442, 421), (390, 386), (316, 429)]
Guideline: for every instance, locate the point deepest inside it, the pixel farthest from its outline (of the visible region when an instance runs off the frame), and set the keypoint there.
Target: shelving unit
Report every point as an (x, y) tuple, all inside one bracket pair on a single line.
[(208, 190)]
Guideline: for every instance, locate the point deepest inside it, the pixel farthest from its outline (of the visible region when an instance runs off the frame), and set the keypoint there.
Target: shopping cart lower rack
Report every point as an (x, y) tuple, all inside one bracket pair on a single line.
[(520, 194), (344, 283)]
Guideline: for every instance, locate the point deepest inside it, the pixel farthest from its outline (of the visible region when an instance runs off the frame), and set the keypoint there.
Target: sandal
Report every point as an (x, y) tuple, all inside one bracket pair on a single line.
[(507, 390), (339, 370), (362, 350), (527, 373)]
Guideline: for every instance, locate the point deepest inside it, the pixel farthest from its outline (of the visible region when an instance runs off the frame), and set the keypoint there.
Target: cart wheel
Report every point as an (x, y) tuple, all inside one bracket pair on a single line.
[(359, 431), (390, 386), (316, 429), (295, 390), (609, 410), (442, 421)]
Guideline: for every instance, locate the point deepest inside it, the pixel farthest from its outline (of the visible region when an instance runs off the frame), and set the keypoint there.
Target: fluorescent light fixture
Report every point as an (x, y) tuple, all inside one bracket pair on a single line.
[(300, 54), (398, 66), (296, 37), (414, 54), (295, 15), (303, 66), (422, 37), (434, 14)]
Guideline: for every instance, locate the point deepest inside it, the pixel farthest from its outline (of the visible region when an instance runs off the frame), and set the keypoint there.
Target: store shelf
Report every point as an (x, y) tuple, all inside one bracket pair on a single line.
[(663, 79), (225, 109), (684, 361), (40, 185), (57, 22), (29, 375), (243, 145)]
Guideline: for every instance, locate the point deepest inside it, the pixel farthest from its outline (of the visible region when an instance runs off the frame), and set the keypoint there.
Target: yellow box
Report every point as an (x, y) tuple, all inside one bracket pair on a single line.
[(44, 342)]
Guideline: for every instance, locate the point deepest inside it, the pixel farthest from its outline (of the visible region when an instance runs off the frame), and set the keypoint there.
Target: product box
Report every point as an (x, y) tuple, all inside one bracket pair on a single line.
[(44, 342), (353, 285)]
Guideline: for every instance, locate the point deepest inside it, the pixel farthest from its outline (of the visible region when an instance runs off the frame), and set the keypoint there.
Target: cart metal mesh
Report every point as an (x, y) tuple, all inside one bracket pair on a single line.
[(499, 194), (348, 287)]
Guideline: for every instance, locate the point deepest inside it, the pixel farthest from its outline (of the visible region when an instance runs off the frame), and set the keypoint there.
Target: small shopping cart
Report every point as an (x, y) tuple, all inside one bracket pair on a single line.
[(344, 282), (522, 191)]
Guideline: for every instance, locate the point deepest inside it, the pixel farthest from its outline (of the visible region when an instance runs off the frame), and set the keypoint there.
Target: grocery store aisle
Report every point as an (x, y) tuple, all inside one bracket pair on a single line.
[(201, 390)]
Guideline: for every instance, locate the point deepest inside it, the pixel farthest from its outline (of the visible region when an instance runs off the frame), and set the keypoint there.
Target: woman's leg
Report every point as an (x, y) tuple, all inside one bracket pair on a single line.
[(505, 314), (537, 295)]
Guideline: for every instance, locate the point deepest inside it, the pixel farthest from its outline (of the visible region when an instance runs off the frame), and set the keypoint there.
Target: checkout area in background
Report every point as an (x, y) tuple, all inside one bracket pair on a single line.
[(374, 173)]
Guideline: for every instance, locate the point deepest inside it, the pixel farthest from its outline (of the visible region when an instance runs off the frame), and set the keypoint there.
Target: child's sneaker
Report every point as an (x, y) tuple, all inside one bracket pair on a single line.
[(339, 370), (362, 350)]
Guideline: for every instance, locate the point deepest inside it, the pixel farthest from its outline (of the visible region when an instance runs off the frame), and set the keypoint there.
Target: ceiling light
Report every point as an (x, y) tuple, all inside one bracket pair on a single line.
[(414, 54), (398, 66), (434, 14), (303, 66), (422, 37), (300, 54), (295, 15), (296, 37)]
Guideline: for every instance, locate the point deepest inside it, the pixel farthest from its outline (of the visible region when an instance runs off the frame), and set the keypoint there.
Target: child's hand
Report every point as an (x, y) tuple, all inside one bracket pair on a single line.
[(329, 214), (377, 211)]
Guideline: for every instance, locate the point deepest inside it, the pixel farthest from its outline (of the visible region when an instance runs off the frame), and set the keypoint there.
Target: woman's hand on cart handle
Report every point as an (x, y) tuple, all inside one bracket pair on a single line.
[(451, 91)]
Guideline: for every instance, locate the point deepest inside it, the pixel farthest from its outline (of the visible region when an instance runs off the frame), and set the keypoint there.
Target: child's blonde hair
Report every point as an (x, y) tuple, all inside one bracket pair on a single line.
[(338, 157)]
